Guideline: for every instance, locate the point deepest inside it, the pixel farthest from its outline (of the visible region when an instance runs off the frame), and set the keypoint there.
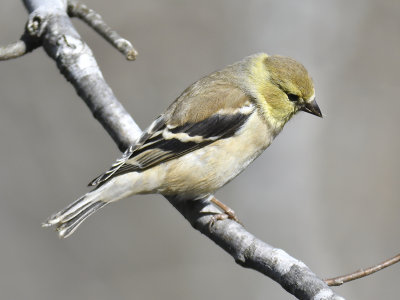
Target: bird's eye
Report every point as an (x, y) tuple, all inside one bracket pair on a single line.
[(293, 97)]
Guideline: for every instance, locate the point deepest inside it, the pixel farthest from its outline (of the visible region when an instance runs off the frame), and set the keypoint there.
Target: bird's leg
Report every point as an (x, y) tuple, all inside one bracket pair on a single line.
[(229, 213)]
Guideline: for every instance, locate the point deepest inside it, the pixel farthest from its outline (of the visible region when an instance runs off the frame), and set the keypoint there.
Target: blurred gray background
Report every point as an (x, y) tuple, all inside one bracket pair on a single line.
[(326, 191)]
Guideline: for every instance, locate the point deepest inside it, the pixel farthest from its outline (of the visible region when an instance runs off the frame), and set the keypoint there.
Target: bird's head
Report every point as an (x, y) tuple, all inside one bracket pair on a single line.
[(286, 89)]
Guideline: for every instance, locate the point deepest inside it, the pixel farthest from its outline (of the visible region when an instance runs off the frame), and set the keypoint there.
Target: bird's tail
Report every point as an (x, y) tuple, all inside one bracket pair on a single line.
[(67, 220)]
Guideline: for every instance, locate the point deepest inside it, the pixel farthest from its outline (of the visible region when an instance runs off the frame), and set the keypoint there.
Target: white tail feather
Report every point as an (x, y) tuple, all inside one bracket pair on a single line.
[(67, 220)]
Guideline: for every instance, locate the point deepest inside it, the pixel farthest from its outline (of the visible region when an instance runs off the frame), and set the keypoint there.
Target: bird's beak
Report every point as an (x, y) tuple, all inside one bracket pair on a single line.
[(312, 108)]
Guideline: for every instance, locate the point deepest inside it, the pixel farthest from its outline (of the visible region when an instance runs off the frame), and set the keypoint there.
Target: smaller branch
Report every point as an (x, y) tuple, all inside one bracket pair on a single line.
[(94, 20), (26, 44), (362, 272)]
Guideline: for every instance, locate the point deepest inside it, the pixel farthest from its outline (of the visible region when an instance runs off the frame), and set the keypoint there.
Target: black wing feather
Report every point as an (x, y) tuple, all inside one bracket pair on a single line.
[(155, 149), (154, 128)]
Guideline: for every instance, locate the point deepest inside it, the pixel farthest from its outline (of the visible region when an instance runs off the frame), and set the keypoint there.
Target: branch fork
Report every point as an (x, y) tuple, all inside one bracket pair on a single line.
[(43, 11)]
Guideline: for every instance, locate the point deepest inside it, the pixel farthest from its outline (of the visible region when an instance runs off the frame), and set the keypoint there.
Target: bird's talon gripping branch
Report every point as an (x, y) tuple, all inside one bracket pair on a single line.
[(229, 213), (215, 218)]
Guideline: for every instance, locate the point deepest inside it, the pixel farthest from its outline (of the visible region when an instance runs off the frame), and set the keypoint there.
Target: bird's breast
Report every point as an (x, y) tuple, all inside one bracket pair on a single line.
[(205, 170)]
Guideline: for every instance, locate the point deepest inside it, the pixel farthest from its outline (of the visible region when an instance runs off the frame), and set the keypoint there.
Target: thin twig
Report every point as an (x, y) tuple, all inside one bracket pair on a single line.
[(362, 272), (26, 44), (94, 20)]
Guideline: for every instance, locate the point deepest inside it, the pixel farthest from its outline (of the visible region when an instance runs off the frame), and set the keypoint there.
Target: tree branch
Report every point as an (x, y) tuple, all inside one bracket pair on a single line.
[(362, 272), (94, 20), (26, 44), (76, 62)]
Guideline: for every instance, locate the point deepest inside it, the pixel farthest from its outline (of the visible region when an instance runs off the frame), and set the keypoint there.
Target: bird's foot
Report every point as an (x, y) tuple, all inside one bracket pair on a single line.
[(228, 213)]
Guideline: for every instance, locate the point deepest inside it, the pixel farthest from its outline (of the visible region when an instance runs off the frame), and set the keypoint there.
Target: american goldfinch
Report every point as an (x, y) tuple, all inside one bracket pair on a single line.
[(206, 137)]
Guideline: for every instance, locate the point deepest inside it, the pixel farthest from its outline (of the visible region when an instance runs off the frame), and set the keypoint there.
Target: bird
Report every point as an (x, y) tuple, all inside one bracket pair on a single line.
[(205, 138)]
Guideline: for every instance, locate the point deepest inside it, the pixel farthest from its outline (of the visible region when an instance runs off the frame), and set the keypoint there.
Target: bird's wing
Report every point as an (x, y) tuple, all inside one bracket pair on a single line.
[(170, 136)]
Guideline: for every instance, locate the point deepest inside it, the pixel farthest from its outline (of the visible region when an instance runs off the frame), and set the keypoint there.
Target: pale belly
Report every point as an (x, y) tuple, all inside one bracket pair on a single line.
[(205, 170)]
